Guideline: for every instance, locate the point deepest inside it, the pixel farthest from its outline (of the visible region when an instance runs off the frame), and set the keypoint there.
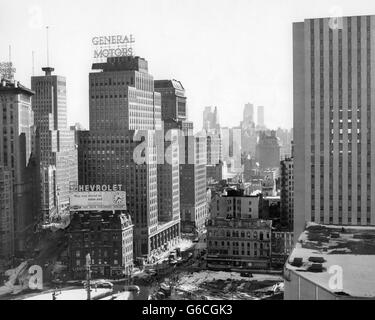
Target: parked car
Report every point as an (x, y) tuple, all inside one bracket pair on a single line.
[(104, 284), (246, 274), (133, 288)]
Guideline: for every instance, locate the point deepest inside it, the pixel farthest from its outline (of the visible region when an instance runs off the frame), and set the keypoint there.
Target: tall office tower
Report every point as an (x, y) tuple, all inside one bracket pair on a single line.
[(193, 185), (248, 131), (192, 169), (211, 129), (287, 193), (334, 139), (57, 148), (173, 114), (248, 113), (260, 117), (231, 147), (168, 178), (173, 100), (6, 215), (285, 137), (16, 156), (210, 119), (213, 148), (268, 150), (121, 148)]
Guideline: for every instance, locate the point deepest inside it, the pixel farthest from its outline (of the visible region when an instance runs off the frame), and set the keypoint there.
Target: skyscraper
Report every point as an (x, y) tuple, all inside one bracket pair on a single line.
[(192, 164), (268, 150), (56, 142), (210, 119), (334, 136), (260, 117), (287, 193), (193, 184), (173, 114), (248, 113), (121, 147), (16, 138)]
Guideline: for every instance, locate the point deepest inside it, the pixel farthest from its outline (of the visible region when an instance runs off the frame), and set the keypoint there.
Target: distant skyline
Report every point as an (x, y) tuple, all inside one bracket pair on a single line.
[(225, 53)]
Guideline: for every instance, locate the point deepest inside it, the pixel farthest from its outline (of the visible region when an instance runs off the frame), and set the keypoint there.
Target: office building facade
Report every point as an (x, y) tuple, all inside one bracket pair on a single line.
[(287, 193), (6, 215), (121, 146), (334, 140), (16, 155), (56, 143)]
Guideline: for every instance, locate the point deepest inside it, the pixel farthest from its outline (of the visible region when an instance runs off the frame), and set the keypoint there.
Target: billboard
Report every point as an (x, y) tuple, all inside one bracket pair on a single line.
[(98, 200)]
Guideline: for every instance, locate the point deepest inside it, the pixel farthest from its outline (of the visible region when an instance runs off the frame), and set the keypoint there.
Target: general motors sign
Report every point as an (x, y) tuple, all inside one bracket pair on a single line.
[(112, 46)]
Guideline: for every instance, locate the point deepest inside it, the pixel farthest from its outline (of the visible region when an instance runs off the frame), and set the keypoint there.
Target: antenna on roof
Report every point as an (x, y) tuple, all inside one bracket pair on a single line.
[(47, 47), (48, 70)]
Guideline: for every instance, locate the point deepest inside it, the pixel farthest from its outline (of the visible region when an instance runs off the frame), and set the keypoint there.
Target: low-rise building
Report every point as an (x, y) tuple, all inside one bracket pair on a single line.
[(238, 243), (235, 204), (236, 238), (107, 236)]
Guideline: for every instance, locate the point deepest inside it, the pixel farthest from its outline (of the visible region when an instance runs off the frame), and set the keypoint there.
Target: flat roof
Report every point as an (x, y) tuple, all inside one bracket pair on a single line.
[(350, 247)]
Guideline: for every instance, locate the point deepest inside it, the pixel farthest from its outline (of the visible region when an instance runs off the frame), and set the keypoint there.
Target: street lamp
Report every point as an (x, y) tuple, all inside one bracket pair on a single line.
[(88, 275)]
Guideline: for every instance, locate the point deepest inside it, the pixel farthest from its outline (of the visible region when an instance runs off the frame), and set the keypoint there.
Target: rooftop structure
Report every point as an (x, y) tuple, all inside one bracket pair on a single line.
[(326, 257)]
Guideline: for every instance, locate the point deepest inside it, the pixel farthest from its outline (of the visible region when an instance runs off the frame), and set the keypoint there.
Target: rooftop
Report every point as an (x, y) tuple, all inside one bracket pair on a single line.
[(12, 86), (350, 247)]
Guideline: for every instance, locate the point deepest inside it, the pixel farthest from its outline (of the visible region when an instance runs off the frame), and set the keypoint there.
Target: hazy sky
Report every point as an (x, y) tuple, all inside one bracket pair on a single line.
[(225, 52)]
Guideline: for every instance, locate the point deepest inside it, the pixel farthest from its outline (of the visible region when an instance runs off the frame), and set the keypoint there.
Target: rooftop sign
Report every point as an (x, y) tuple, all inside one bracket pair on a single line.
[(97, 200), (112, 46)]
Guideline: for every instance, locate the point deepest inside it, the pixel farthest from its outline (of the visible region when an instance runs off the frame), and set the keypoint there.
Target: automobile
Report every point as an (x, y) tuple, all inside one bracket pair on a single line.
[(57, 281), (104, 284), (246, 274), (132, 288), (74, 282)]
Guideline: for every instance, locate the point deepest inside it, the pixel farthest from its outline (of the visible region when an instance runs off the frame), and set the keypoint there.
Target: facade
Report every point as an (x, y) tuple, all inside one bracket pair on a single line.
[(168, 175), (210, 119), (249, 132), (285, 137), (231, 148), (56, 142), (282, 246), (173, 99), (6, 215), (125, 111), (193, 183), (269, 183), (213, 147), (248, 113), (107, 236), (215, 172), (235, 239), (16, 155), (235, 204), (260, 117), (334, 139), (268, 150), (287, 193)]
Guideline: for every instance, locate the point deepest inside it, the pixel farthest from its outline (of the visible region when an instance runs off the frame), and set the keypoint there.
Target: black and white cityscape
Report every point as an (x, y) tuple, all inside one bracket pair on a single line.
[(185, 150)]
